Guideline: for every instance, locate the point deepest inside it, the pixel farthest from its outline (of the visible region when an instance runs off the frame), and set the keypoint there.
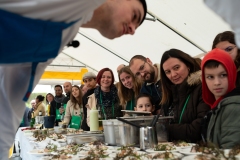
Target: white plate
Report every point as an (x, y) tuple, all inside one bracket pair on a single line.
[(237, 157), (151, 150), (191, 157), (187, 152), (176, 155), (190, 145), (38, 152), (135, 112)]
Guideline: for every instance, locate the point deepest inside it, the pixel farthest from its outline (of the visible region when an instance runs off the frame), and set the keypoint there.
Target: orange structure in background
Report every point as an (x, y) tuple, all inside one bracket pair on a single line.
[(64, 75)]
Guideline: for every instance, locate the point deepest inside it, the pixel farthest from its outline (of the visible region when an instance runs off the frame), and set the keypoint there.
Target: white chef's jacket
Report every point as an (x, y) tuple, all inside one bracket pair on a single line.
[(32, 33), (230, 12)]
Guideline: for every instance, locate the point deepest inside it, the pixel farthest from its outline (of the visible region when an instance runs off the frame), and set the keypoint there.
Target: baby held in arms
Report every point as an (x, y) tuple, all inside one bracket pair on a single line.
[(144, 103)]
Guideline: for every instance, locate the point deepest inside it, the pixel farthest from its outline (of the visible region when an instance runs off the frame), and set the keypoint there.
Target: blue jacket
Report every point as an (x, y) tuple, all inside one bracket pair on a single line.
[(26, 118)]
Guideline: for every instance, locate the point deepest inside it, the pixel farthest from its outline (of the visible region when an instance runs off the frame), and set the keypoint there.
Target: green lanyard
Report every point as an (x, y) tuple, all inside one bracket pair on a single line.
[(131, 105), (180, 120), (103, 110), (132, 102)]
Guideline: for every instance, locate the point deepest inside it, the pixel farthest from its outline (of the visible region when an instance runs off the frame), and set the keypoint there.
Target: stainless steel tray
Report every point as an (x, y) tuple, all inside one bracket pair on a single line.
[(84, 138)]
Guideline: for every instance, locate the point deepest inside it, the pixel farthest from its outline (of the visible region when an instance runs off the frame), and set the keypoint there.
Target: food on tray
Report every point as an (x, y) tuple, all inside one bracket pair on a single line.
[(96, 154), (56, 136), (164, 147), (74, 131), (40, 151), (128, 151), (205, 157), (235, 151), (181, 144), (50, 148), (165, 155), (202, 149), (61, 157)]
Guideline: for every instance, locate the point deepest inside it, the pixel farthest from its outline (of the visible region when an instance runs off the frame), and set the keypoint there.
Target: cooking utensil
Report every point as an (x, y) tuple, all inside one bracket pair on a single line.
[(148, 137), (111, 131), (128, 122), (155, 119)]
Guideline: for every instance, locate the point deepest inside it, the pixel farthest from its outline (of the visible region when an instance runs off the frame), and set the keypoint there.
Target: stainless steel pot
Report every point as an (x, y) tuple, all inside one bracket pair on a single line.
[(111, 132), (148, 137), (121, 134)]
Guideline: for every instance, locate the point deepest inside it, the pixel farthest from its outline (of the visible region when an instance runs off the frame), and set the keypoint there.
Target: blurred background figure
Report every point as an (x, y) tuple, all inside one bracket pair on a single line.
[(33, 104), (225, 41), (89, 80), (49, 99), (120, 67), (39, 109), (67, 86), (57, 104), (84, 89), (26, 118), (74, 110)]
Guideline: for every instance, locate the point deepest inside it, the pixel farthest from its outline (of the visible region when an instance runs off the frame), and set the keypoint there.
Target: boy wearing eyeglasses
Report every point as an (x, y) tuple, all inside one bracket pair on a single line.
[(219, 92)]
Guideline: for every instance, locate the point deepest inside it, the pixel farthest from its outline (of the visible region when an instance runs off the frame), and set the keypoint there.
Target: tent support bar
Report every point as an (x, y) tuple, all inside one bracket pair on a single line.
[(158, 19), (151, 19), (103, 47), (80, 62)]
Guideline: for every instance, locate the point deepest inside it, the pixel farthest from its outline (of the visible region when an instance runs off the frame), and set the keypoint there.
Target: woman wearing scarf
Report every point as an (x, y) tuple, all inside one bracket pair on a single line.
[(128, 89), (57, 103), (105, 97), (220, 92)]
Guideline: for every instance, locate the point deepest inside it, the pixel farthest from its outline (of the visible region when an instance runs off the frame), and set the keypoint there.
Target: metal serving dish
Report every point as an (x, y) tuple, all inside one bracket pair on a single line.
[(84, 138), (120, 134)]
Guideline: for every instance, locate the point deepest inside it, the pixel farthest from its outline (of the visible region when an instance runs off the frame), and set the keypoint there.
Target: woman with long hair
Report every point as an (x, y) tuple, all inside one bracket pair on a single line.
[(182, 89), (39, 107), (128, 88), (49, 99), (74, 109), (226, 41), (105, 97)]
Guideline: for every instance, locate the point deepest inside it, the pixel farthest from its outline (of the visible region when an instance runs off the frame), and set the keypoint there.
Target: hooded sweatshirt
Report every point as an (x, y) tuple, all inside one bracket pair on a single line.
[(223, 128), (225, 59)]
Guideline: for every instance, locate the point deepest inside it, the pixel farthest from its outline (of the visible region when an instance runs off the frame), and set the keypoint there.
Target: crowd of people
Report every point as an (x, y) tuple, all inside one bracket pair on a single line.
[(195, 93), (173, 87)]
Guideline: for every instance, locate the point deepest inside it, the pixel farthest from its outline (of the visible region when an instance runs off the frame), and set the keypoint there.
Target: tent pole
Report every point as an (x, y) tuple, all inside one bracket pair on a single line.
[(103, 47), (80, 62), (161, 21)]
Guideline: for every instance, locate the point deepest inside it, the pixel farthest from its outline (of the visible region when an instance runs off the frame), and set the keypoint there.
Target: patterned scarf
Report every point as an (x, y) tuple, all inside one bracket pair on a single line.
[(107, 97), (59, 99)]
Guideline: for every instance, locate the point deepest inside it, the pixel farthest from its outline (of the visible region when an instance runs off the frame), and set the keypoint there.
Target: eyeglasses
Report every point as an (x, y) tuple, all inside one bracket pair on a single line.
[(141, 69), (229, 49)]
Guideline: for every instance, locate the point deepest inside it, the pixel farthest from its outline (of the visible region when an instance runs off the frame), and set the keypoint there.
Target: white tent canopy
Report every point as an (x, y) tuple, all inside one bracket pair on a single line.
[(187, 25)]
